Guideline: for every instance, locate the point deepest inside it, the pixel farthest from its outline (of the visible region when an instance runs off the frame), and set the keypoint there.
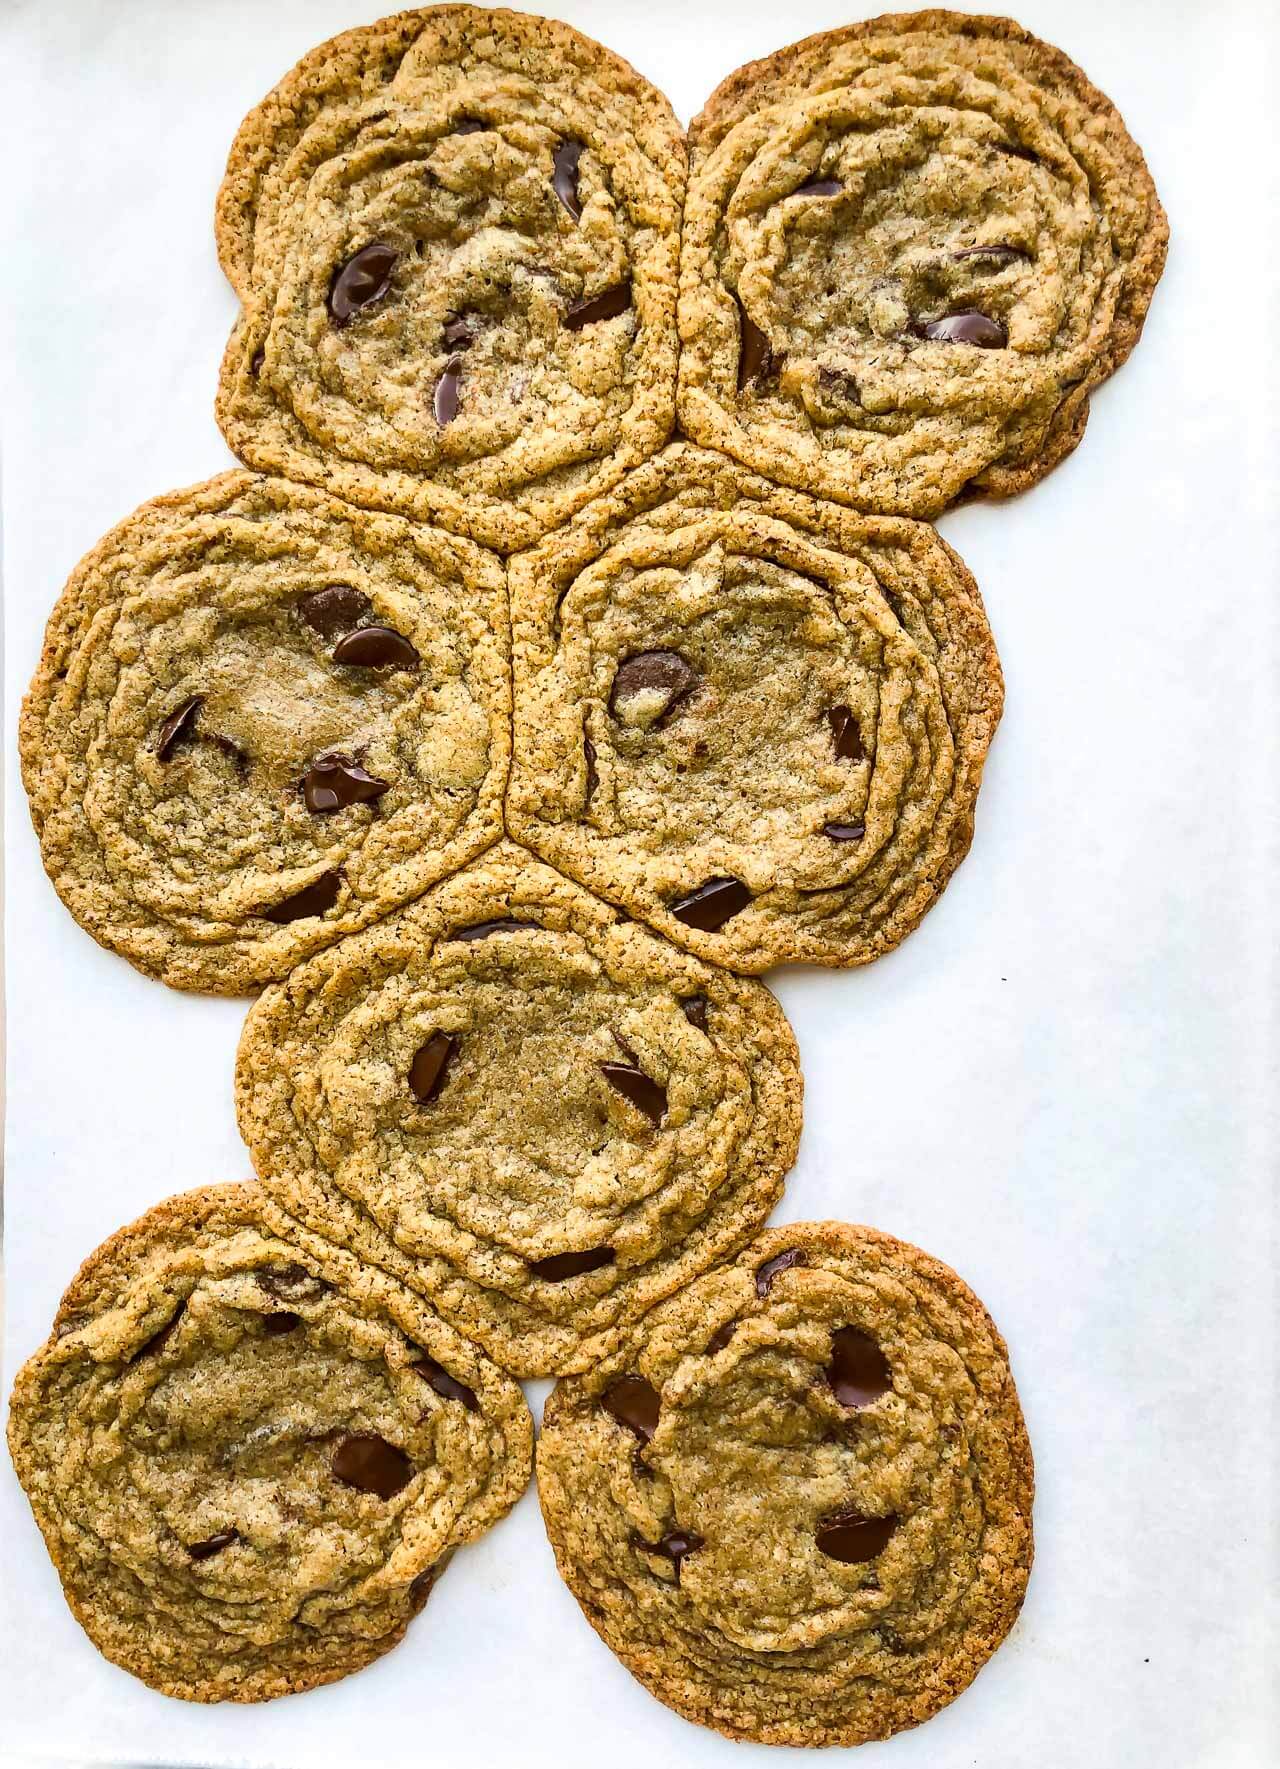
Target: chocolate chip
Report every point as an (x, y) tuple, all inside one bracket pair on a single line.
[(819, 187), (468, 126), (335, 609), (841, 383), (593, 779), (427, 1070), (157, 1340), (312, 899), (362, 280), (755, 354), (420, 1588), (564, 180), (375, 648), (844, 832), (676, 1544), (712, 904), (482, 930), (371, 1464), (559, 1266), (445, 400), (333, 782), (633, 1402), (721, 1337), (859, 1372), (255, 365), (276, 1324), (445, 1385), (457, 334), (290, 1283), (178, 728), (606, 305), (766, 1273), (661, 678), (695, 1011), (850, 1537), (969, 327), (213, 1544), (641, 1089), (845, 734), (1002, 254)]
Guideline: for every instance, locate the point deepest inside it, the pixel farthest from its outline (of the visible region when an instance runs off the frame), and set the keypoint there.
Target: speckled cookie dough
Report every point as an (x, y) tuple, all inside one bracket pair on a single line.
[(797, 1503), (455, 237), (523, 1104), (754, 720), (250, 1465), (912, 249), (262, 719)]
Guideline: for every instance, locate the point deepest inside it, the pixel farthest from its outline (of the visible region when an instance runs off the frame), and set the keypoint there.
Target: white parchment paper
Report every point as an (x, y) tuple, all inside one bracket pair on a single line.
[(1064, 1084)]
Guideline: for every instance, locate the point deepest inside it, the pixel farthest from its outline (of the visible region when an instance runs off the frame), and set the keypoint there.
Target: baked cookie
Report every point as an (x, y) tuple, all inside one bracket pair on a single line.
[(912, 249), (755, 720), (249, 1464), (455, 237), (524, 1105), (262, 719), (798, 1505)]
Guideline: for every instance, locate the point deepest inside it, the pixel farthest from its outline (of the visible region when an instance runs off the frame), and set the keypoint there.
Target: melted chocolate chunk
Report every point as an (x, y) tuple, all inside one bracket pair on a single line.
[(290, 1283), (564, 180), (274, 1325), (371, 1464), (633, 1402), (559, 1266), (457, 334), (844, 832), (841, 383), (766, 1273), (664, 675), (755, 353), (676, 1544), (712, 904), (695, 1011), (420, 1588), (721, 1337), (312, 899), (606, 305), (593, 779), (158, 1338), (1001, 254), (376, 648), (850, 1537), (255, 365), (859, 1372), (445, 400), (641, 1089), (819, 187), (845, 734), (427, 1070), (362, 280), (333, 782), (969, 327), (178, 728), (335, 609), (213, 1544), (483, 930), (446, 1386)]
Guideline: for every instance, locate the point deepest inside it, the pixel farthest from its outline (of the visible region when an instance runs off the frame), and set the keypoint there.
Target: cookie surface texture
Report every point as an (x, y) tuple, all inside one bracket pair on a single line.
[(538, 1113), (250, 1466), (455, 238), (261, 719), (798, 1505), (756, 720), (912, 249)]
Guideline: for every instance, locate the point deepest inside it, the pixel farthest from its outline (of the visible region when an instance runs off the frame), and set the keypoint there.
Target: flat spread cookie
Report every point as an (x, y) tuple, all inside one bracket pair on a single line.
[(455, 237), (531, 1109), (262, 719), (797, 1505), (754, 720), (249, 1464), (912, 249)]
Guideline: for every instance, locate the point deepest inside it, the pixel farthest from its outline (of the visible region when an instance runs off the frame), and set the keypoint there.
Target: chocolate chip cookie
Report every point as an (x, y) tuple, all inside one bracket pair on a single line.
[(755, 720), (262, 719), (455, 237), (912, 249), (250, 1464), (797, 1504), (524, 1105)]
